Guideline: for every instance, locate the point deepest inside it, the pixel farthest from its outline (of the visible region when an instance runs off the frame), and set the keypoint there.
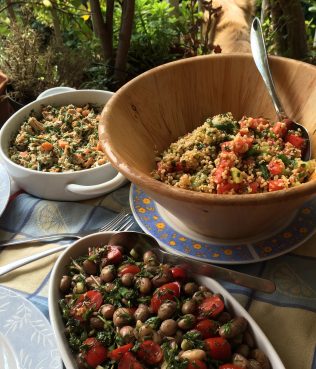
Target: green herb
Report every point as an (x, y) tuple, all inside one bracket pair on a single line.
[(195, 339), (264, 170), (287, 161), (154, 322), (227, 127)]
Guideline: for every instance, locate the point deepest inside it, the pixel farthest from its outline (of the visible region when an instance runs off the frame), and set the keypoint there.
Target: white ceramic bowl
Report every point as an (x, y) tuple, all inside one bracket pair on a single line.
[(80, 247), (66, 186)]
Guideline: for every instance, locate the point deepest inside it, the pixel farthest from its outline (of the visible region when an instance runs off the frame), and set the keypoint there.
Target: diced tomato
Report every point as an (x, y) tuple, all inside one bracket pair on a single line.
[(196, 364), (218, 174), (280, 129), (276, 185), (227, 146), (208, 328), (129, 268), (242, 144), (218, 348), (150, 352), (129, 361), (96, 352), (210, 307), (166, 292), (90, 300), (117, 353), (276, 167), (178, 273), (226, 187), (179, 167), (254, 187), (230, 366), (114, 255), (23, 154), (295, 140), (46, 146)]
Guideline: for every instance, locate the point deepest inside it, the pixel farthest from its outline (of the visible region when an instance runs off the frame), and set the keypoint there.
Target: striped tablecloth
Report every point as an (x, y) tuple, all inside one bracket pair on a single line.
[(288, 317)]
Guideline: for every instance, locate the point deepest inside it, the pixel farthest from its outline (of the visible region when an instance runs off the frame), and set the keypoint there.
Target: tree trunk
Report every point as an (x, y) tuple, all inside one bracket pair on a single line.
[(11, 11), (128, 8), (295, 23), (101, 29), (279, 28), (56, 24)]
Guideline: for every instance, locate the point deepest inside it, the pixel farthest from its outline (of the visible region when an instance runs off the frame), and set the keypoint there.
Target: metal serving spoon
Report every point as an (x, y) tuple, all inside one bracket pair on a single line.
[(259, 54), (141, 243)]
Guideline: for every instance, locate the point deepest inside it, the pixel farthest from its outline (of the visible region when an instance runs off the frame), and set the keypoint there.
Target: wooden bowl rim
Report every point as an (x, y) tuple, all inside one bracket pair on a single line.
[(146, 182)]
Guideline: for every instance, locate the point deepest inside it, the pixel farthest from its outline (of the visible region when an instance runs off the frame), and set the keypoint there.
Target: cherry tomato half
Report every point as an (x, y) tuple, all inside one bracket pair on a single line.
[(114, 255), (229, 366), (129, 361), (218, 348), (166, 292), (211, 307), (276, 185), (117, 353), (196, 364), (178, 273), (129, 268), (208, 328), (150, 352), (96, 352), (86, 301)]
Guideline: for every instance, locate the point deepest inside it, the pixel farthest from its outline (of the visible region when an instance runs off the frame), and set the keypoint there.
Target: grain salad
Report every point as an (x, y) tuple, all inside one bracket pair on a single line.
[(60, 139), (226, 156)]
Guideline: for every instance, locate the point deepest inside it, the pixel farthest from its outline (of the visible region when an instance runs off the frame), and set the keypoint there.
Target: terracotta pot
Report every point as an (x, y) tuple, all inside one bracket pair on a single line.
[(154, 109)]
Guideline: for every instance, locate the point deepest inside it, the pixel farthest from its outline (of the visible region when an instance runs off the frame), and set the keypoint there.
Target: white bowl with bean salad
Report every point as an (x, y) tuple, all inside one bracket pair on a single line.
[(113, 309), (51, 149)]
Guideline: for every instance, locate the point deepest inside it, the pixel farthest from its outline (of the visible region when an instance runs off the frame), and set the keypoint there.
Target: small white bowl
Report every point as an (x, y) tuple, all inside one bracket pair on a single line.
[(80, 248), (65, 186)]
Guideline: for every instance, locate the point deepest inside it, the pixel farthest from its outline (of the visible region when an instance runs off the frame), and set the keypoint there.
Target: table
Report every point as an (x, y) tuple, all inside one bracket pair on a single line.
[(287, 317)]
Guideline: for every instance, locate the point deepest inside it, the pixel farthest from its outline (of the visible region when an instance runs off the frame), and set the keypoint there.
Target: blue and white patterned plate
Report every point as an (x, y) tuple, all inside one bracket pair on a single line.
[(174, 237), (26, 337), (4, 189)]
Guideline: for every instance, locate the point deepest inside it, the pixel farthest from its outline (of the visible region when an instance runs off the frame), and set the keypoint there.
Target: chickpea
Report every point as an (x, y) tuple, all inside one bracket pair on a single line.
[(167, 309), (189, 307), (224, 317), (150, 258), (187, 322), (93, 281), (243, 350), (79, 288), (186, 345), (89, 267), (153, 269), (127, 279), (253, 364), (122, 316), (162, 278), (142, 313), (107, 273), (169, 327), (104, 262), (199, 296), (144, 286), (109, 287), (233, 328), (240, 361), (107, 311), (96, 323), (191, 355), (261, 357), (157, 337), (145, 332), (127, 334), (190, 288), (65, 283)]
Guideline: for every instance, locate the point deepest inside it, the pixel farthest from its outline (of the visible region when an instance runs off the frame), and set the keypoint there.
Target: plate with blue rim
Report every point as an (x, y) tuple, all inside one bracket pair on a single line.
[(175, 237), (4, 188), (26, 338)]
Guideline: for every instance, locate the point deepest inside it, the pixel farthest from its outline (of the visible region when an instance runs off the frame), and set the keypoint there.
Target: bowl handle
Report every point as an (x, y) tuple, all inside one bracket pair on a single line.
[(99, 189), (53, 91)]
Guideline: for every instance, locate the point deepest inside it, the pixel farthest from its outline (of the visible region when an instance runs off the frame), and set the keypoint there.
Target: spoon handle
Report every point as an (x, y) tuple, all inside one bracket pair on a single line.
[(259, 54)]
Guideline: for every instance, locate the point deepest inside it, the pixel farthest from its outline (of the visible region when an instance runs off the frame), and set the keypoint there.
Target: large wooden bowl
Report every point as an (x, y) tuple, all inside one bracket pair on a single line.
[(154, 109)]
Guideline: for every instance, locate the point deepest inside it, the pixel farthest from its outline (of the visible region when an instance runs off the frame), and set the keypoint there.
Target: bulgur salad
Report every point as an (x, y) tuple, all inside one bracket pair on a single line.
[(61, 139), (224, 156)]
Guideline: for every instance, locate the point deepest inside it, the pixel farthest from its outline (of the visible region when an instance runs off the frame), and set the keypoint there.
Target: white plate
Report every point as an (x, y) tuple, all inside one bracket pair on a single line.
[(26, 337), (80, 248), (4, 188)]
